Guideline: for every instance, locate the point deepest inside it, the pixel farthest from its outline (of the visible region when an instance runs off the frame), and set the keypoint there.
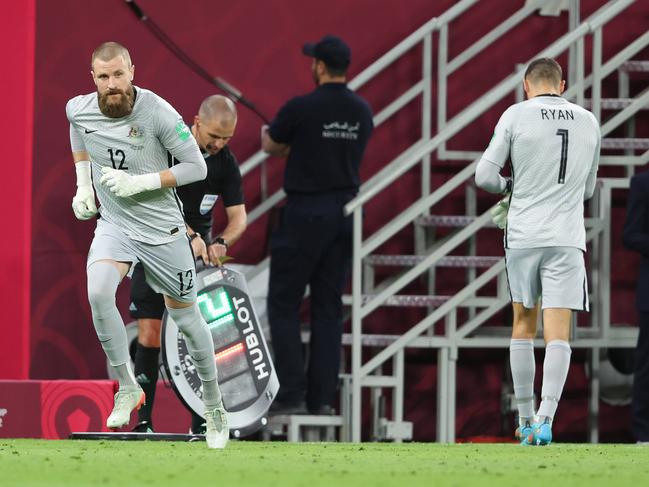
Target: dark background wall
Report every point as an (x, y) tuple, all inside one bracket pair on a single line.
[(255, 45)]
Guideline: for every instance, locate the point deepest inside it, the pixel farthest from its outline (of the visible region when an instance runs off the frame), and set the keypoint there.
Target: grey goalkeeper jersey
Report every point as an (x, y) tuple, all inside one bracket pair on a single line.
[(139, 143), (554, 150)]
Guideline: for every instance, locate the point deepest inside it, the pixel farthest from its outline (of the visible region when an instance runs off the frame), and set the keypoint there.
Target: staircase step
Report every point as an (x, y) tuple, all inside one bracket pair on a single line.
[(448, 261), (451, 221), (635, 66), (405, 300), (612, 143), (612, 103)]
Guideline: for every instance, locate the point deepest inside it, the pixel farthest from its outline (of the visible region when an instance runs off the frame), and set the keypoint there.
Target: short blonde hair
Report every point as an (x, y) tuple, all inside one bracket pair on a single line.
[(110, 50)]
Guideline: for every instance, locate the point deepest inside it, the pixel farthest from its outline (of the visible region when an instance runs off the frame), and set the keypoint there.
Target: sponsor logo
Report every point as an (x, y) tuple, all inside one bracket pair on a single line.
[(252, 340), (91, 131)]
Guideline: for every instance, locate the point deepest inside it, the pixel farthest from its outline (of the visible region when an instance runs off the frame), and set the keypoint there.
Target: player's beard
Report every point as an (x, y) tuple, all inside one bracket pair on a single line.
[(119, 109)]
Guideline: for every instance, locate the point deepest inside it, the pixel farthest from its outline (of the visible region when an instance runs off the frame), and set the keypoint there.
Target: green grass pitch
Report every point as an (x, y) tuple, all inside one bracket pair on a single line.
[(125, 463)]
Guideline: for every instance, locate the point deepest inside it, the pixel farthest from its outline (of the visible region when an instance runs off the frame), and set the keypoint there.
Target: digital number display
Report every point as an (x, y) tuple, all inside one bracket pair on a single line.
[(215, 305), (216, 308)]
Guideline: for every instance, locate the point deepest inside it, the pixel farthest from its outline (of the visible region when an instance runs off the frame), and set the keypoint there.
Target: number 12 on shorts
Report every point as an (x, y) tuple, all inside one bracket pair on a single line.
[(563, 133), (186, 281)]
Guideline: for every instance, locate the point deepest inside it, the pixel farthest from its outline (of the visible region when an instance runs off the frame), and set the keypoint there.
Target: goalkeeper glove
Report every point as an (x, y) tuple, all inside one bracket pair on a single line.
[(83, 203), (123, 184), (499, 213)]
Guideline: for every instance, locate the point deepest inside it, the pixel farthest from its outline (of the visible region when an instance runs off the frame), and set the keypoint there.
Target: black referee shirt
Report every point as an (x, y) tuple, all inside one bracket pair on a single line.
[(327, 130), (199, 198)]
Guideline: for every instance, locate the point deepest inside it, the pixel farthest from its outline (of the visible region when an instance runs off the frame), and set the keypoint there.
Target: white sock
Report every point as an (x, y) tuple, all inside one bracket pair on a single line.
[(523, 366), (555, 372)]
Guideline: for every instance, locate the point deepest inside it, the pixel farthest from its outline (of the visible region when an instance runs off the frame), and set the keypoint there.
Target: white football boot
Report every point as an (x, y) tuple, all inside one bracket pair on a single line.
[(218, 433), (126, 400)]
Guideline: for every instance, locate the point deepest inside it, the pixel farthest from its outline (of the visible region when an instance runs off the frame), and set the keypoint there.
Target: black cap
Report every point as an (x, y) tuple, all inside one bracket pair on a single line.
[(330, 49)]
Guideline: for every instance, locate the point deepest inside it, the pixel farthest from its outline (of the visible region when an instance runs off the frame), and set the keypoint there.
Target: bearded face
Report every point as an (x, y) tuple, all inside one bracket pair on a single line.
[(116, 103)]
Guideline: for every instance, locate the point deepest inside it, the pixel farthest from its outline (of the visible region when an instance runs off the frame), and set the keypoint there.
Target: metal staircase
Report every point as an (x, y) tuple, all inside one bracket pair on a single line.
[(457, 321)]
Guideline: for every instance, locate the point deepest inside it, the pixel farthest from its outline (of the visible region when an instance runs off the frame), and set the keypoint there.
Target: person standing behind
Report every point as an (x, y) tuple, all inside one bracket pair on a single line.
[(636, 237), (121, 136), (324, 135), (554, 150), (213, 128)]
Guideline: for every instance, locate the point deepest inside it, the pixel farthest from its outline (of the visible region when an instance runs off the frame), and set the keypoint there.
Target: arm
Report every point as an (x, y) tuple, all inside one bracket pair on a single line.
[(237, 223), (199, 248), (592, 175), (269, 146), (635, 235), (83, 203), (276, 138), (487, 174), (487, 177)]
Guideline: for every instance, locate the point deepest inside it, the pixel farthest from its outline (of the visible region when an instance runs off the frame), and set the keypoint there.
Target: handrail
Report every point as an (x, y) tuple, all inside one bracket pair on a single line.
[(409, 42), (392, 171)]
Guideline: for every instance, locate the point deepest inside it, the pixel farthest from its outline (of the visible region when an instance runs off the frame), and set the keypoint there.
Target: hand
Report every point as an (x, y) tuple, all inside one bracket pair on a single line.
[(123, 184), (83, 203), (217, 252), (499, 213), (200, 249)]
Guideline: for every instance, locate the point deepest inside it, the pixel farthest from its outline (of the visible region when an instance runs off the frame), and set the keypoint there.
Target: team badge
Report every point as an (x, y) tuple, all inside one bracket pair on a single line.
[(135, 133)]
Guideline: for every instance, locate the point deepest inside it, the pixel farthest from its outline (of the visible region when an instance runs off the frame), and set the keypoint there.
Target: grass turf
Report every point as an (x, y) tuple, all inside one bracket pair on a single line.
[(126, 463)]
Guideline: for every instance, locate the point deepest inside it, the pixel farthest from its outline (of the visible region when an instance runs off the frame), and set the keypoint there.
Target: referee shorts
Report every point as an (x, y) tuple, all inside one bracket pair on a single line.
[(556, 275)]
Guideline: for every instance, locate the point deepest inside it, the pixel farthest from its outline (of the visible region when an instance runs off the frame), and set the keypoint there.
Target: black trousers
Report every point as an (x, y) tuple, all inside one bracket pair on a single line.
[(312, 246), (640, 403)]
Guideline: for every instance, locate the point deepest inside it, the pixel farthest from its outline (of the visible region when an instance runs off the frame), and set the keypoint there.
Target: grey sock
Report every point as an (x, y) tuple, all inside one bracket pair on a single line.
[(523, 366), (555, 372), (103, 279), (201, 349), (211, 394), (126, 377)]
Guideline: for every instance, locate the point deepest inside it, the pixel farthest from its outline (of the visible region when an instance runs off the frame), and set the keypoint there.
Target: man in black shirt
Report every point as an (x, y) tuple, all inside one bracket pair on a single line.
[(213, 128), (324, 135)]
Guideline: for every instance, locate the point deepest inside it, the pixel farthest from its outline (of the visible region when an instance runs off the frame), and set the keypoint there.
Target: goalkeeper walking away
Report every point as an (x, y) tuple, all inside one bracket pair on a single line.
[(553, 148)]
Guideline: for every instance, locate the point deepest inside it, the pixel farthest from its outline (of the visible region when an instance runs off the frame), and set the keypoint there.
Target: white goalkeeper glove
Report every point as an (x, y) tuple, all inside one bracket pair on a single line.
[(499, 213), (83, 203), (123, 184)]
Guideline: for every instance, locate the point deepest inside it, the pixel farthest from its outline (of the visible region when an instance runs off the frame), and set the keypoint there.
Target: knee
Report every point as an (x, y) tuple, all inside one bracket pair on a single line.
[(100, 297)]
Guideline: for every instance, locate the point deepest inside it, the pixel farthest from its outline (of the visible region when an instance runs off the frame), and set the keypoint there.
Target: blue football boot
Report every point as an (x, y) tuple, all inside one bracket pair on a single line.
[(542, 433)]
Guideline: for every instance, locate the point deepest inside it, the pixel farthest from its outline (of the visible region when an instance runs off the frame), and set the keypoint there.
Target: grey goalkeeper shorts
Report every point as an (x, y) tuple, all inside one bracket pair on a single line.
[(556, 275), (169, 268)]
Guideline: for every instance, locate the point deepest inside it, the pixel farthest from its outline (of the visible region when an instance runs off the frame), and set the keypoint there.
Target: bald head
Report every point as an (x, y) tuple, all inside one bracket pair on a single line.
[(215, 123), (110, 50), (218, 107)]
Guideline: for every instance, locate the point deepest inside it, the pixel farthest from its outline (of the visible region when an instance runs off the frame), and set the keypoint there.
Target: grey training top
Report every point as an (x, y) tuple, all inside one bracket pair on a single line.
[(139, 143)]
